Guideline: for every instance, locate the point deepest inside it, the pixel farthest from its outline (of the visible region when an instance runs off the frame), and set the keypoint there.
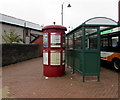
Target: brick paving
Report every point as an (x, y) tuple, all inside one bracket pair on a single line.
[(26, 80)]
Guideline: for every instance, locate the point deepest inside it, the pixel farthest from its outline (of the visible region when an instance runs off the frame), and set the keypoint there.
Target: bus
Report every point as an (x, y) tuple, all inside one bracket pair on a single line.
[(110, 47)]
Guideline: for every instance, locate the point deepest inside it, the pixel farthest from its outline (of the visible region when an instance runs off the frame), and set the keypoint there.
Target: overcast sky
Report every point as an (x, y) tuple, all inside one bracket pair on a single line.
[(48, 11)]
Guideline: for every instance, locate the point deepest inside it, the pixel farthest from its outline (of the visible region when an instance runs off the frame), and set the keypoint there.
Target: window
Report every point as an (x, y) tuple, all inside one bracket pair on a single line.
[(114, 41), (78, 39), (70, 42), (105, 42), (63, 40), (91, 38), (91, 42)]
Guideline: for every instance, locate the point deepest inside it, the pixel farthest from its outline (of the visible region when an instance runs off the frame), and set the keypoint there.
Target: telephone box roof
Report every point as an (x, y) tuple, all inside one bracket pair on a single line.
[(54, 27)]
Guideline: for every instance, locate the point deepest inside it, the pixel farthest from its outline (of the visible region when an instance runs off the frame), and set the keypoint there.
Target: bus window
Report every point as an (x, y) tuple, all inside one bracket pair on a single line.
[(114, 41), (105, 42)]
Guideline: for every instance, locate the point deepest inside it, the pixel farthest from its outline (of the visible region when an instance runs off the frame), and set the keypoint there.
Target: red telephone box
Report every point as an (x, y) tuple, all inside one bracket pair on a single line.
[(53, 50)]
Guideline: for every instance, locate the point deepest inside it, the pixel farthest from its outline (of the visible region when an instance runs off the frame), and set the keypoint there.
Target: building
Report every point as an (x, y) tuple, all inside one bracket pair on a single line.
[(28, 31)]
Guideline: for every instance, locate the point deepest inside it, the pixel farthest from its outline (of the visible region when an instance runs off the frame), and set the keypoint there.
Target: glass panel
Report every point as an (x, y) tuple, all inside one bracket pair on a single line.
[(91, 42), (78, 39), (90, 31), (45, 40), (55, 57), (78, 34), (63, 40), (115, 42), (63, 57), (70, 42), (55, 40), (103, 28), (91, 38), (78, 43), (66, 42), (45, 57), (105, 42)]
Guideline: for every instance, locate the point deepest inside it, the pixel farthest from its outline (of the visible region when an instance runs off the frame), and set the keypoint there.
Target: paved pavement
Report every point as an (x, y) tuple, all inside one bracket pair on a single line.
[(26, 80)]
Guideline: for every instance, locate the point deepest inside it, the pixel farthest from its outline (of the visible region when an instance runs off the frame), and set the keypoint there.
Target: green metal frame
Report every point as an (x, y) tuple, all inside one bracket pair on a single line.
[(86, 61)]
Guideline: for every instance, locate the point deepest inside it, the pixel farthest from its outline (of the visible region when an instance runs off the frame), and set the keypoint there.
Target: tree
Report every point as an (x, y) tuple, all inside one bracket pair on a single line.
[(11, 37)]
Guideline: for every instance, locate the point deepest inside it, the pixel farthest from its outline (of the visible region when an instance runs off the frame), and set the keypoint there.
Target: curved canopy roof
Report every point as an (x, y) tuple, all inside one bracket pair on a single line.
[(102, 22)]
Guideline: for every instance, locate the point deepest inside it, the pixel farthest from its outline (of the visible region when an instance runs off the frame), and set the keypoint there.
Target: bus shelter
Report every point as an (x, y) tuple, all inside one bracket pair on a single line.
[(83, 46)]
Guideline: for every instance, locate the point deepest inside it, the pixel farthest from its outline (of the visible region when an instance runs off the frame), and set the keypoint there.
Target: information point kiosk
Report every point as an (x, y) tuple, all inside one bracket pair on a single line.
[(53, 50)]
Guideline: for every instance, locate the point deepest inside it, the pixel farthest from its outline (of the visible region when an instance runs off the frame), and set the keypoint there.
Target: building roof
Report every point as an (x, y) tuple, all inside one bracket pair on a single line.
[(19, 22)]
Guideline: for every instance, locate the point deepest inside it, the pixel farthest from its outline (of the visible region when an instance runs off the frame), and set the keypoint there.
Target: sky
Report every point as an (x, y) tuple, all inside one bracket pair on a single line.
[(45, 12)]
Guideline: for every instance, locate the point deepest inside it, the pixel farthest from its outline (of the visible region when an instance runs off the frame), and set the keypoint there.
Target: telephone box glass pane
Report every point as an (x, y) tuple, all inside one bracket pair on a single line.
[(55, 57), (63, 40), (45, 58), (55, 40), (63, 57), (45, 39)]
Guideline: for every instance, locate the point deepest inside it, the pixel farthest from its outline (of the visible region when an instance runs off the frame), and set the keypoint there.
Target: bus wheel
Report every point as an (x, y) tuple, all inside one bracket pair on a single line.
[(116, 64)]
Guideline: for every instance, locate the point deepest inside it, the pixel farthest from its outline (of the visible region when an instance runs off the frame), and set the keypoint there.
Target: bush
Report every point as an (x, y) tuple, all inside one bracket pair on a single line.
[(11, 37)]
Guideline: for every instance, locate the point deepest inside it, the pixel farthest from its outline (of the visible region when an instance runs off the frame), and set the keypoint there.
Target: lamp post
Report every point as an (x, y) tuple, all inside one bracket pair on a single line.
[(119, 11), (62, 11)]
